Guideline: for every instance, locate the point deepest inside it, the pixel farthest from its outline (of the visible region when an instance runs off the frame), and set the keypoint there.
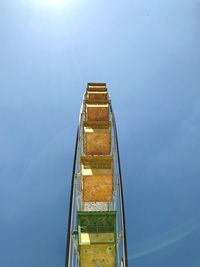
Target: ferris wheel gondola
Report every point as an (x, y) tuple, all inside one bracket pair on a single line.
[(96, 224)]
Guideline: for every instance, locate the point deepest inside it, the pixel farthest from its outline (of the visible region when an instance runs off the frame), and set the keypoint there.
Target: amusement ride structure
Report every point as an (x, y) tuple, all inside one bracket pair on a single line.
[(96, 228)]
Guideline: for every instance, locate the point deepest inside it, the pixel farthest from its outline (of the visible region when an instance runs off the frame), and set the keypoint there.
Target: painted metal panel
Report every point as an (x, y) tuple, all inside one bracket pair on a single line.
[(97, 139), (97, 188), (91, 238), (97, 112), (97, 178), (97, 256), (97, 239), (96, 87), (97, 162), (97, 96), (97, 222)]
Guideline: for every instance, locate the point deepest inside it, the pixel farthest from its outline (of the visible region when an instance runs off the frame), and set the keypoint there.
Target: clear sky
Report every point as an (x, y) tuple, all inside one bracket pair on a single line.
[(148, 52)]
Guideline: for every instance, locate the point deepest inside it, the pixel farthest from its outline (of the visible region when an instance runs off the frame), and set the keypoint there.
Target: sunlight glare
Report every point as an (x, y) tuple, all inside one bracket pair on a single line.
[(55, 3), (51, 3)]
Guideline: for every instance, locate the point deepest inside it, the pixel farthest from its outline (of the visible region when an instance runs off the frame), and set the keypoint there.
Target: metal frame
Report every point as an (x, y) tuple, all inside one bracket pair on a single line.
[(75, 205)]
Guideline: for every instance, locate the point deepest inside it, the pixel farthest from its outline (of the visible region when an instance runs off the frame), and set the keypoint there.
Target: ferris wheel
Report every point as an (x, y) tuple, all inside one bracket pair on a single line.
[(96, 224)]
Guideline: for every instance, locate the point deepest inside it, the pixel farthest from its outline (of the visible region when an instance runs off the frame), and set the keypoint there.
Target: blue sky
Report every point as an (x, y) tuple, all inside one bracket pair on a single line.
[(148, 53)]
